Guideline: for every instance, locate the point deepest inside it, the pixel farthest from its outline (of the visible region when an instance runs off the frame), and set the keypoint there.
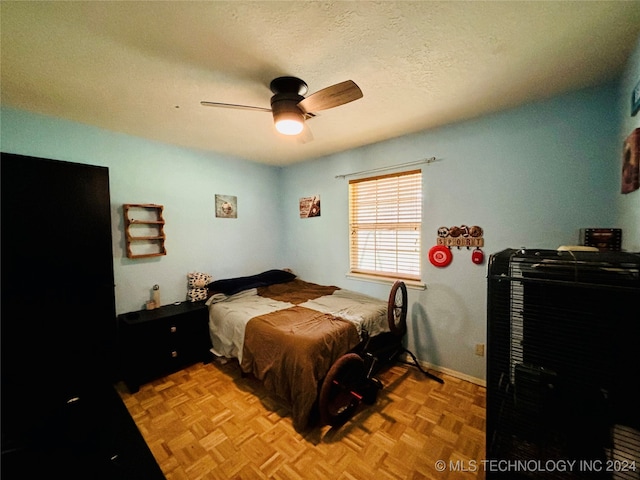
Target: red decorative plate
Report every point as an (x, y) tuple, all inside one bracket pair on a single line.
[(440, 256)]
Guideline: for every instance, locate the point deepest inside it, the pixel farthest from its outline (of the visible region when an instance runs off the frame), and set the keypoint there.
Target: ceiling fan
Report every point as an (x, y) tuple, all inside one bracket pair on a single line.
[(290, 108)]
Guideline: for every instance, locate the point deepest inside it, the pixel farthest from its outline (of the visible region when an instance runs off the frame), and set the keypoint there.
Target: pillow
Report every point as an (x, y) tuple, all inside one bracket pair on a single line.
[(231, 286), (198, 279), (198, 286), (197, 294)]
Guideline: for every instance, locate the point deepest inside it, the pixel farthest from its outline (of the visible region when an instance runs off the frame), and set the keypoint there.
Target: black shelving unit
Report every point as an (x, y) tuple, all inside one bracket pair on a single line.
[(563, 373)]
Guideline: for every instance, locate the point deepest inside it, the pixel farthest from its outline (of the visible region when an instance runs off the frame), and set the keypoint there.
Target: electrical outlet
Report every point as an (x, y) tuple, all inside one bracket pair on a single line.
[(480, 349)]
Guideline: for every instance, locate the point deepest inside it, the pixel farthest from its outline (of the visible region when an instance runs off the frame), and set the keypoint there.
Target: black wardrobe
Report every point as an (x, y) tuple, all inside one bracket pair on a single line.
[(60, 412)]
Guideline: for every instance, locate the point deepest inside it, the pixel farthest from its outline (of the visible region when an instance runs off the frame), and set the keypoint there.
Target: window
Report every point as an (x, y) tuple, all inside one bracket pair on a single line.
[(385, 218)]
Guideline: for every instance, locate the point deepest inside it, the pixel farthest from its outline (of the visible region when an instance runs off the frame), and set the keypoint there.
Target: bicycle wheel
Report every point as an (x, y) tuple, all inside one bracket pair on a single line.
[(339, 394), (397, 309)]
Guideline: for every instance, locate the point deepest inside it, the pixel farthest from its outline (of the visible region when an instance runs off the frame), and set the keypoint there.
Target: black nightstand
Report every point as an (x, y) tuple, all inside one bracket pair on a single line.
[(154, 343)]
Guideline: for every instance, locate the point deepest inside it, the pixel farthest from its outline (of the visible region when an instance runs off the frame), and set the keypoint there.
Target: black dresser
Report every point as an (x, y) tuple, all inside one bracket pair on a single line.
[(89, 435), (157, 342)]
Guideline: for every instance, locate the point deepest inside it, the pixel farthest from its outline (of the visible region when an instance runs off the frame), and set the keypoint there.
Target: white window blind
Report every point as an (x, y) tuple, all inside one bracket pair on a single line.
[(385, 216)]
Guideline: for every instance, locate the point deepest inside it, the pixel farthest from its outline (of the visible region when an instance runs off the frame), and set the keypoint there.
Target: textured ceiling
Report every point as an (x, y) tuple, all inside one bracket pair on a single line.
[(142, 68)]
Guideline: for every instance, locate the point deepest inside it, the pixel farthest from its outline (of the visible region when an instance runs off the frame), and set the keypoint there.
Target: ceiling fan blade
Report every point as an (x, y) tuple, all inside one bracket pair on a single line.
[(330, 97), (233, 105), (305, 136)]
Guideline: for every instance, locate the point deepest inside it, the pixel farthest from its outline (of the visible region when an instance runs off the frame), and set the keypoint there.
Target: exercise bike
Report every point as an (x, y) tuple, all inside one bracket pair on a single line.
[(350, 381)]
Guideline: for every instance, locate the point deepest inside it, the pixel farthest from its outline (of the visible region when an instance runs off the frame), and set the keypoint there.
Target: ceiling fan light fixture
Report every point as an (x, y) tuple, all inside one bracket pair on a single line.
[(288, 118), (289, 124)]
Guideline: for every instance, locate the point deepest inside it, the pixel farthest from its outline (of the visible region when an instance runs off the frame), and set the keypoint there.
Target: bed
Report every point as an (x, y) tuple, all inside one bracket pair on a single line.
[(287, 332)]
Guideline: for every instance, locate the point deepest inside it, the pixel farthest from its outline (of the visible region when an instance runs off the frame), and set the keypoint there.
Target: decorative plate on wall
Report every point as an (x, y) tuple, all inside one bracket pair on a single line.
[(440, 256)]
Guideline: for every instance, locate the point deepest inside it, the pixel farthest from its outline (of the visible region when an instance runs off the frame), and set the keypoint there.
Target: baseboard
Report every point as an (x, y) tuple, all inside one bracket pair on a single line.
[(447, 371)]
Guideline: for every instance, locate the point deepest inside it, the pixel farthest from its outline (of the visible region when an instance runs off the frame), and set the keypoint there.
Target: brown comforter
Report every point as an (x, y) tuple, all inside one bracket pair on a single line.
[(291, 350)]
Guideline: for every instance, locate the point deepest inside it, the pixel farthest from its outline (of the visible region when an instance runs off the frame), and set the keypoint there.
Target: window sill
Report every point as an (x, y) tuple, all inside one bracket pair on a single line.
[(412, 284)]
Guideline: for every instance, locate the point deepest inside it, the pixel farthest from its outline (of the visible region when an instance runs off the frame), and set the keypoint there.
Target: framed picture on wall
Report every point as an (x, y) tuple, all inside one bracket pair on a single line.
[(631, 162), (310, 206), (226, 206), (635, 99)]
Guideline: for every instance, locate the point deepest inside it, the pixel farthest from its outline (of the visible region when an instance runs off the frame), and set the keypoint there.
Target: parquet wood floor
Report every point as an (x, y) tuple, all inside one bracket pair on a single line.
[(209, 422)]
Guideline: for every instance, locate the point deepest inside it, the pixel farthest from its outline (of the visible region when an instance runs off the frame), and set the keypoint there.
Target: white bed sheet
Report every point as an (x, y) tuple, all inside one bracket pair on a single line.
[(363, 311)]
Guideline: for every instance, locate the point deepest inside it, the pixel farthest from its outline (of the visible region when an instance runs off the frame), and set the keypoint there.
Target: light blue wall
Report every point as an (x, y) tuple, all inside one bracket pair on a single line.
[(532, 176), (628, 205), (185, 182)]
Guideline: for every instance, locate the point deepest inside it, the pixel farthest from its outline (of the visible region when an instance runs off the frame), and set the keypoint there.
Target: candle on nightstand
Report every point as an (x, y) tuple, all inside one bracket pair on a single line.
[(156, 295)]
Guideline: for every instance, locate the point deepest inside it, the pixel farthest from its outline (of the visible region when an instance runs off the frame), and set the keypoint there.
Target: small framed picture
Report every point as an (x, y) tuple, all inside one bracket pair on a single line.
[(226, 206), (631, 162), (310, 206), (635, 99)]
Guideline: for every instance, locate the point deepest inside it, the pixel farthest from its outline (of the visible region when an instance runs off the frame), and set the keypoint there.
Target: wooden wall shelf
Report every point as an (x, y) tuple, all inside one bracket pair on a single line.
[(144, 230)]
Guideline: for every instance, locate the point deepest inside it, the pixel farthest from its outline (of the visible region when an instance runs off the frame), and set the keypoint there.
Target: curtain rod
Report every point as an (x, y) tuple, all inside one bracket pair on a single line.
[(390, 167)]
